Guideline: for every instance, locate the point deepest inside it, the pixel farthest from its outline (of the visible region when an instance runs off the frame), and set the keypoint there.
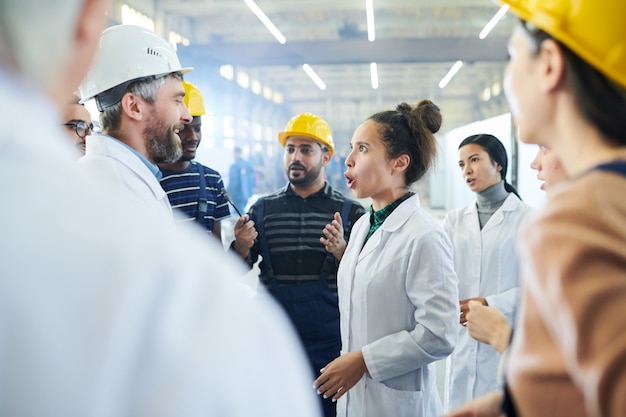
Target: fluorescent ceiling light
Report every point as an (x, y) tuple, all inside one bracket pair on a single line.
[(494, 21), (266, 21), (316, 79), (374, 75), (371, 29), (455, 68)]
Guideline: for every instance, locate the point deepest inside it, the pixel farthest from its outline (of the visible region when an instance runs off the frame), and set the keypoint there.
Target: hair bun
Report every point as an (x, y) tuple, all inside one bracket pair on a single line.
[(429, 114), (425, 115)]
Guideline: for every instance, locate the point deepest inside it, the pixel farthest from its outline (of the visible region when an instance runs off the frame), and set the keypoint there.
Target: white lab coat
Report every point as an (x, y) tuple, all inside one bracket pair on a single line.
[(103, 313), (109, 163), (486, 264), (397, 302)]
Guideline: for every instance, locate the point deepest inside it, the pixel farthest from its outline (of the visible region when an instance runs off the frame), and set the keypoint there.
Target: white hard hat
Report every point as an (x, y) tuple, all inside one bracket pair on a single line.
[(126, 53)]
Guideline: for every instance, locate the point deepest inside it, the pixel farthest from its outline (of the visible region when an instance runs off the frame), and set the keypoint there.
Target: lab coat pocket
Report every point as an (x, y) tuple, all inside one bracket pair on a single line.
[(385, 401)]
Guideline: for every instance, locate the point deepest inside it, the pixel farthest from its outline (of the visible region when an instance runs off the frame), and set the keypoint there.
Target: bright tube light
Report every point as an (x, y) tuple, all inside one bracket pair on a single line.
[(374, 75), (371, 29), (266, 21), (455, 68), (493, 22), (316, 79)]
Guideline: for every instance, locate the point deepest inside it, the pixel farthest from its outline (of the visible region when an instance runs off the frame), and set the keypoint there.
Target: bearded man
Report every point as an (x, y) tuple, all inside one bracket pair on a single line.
[(136, 81)]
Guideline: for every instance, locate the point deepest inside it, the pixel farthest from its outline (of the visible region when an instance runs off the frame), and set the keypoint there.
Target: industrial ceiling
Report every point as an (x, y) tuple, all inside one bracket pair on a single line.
[(416, 44)]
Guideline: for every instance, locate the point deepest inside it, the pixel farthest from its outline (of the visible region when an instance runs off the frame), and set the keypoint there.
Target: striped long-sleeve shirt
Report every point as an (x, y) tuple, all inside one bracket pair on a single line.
[(183, 191), (293, 227)]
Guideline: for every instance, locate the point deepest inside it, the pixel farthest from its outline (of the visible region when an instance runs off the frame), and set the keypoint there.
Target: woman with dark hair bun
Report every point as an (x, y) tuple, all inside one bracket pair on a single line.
[(396, 281), (484, 236)]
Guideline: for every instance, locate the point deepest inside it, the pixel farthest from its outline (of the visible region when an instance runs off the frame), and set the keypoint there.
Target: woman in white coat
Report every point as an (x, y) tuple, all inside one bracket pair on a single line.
[(484, 236), (396, 280)]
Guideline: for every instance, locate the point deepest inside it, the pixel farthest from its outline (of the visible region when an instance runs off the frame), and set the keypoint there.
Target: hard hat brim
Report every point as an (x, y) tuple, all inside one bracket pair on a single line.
[(283, 136), (114, 101)]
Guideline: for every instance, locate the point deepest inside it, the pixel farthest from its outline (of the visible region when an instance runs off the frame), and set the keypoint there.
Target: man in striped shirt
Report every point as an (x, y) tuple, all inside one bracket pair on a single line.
[(300, 254), (195, 190)]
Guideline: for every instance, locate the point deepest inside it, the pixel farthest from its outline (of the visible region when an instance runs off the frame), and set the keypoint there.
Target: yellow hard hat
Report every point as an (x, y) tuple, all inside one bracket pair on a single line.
[(593, 29), (311, 126), (193, 99)]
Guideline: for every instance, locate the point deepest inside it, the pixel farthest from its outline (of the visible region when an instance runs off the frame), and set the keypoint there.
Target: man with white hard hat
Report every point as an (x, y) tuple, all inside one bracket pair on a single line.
[(136, 81)]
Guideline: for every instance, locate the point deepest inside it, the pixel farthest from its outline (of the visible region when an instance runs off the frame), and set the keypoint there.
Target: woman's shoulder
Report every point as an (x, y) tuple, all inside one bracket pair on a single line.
[(594, 201), (458, 214), (588, 214), (515, 203), (517, 208), (595, 193), (426, 223)]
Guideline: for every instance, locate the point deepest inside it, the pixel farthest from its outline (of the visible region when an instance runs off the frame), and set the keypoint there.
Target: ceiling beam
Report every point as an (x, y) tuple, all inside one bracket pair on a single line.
[(352, 51)]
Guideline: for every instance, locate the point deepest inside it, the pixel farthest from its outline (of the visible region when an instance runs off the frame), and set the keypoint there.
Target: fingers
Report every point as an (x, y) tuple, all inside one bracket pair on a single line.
[(333, 390), (333, 235), (327, 232), (327, 388), (245, 230), (465, 304), (468, 313), (241, 221), (337, 221), (331, 230), (244, 223), (336, 226), (463, 309), (466, 308), (326, 384)]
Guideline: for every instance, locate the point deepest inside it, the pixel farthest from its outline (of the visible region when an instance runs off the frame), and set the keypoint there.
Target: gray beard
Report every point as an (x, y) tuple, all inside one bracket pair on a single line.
[(164, 146)]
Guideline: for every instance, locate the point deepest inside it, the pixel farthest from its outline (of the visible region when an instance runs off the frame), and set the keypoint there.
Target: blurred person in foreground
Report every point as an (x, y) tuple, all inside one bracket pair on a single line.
[(97, 316), (566, 86)]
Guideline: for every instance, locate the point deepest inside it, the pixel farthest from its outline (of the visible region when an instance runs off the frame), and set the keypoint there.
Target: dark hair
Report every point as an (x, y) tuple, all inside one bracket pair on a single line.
[(497, 153), (410, 130), (601, 101)]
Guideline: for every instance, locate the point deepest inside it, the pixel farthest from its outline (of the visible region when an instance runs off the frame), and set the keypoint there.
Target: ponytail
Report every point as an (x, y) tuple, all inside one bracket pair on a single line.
[(509, 188)]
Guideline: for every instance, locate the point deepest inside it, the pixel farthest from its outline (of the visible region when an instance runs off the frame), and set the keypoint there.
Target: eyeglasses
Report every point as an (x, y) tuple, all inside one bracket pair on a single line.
[(80, 127)]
